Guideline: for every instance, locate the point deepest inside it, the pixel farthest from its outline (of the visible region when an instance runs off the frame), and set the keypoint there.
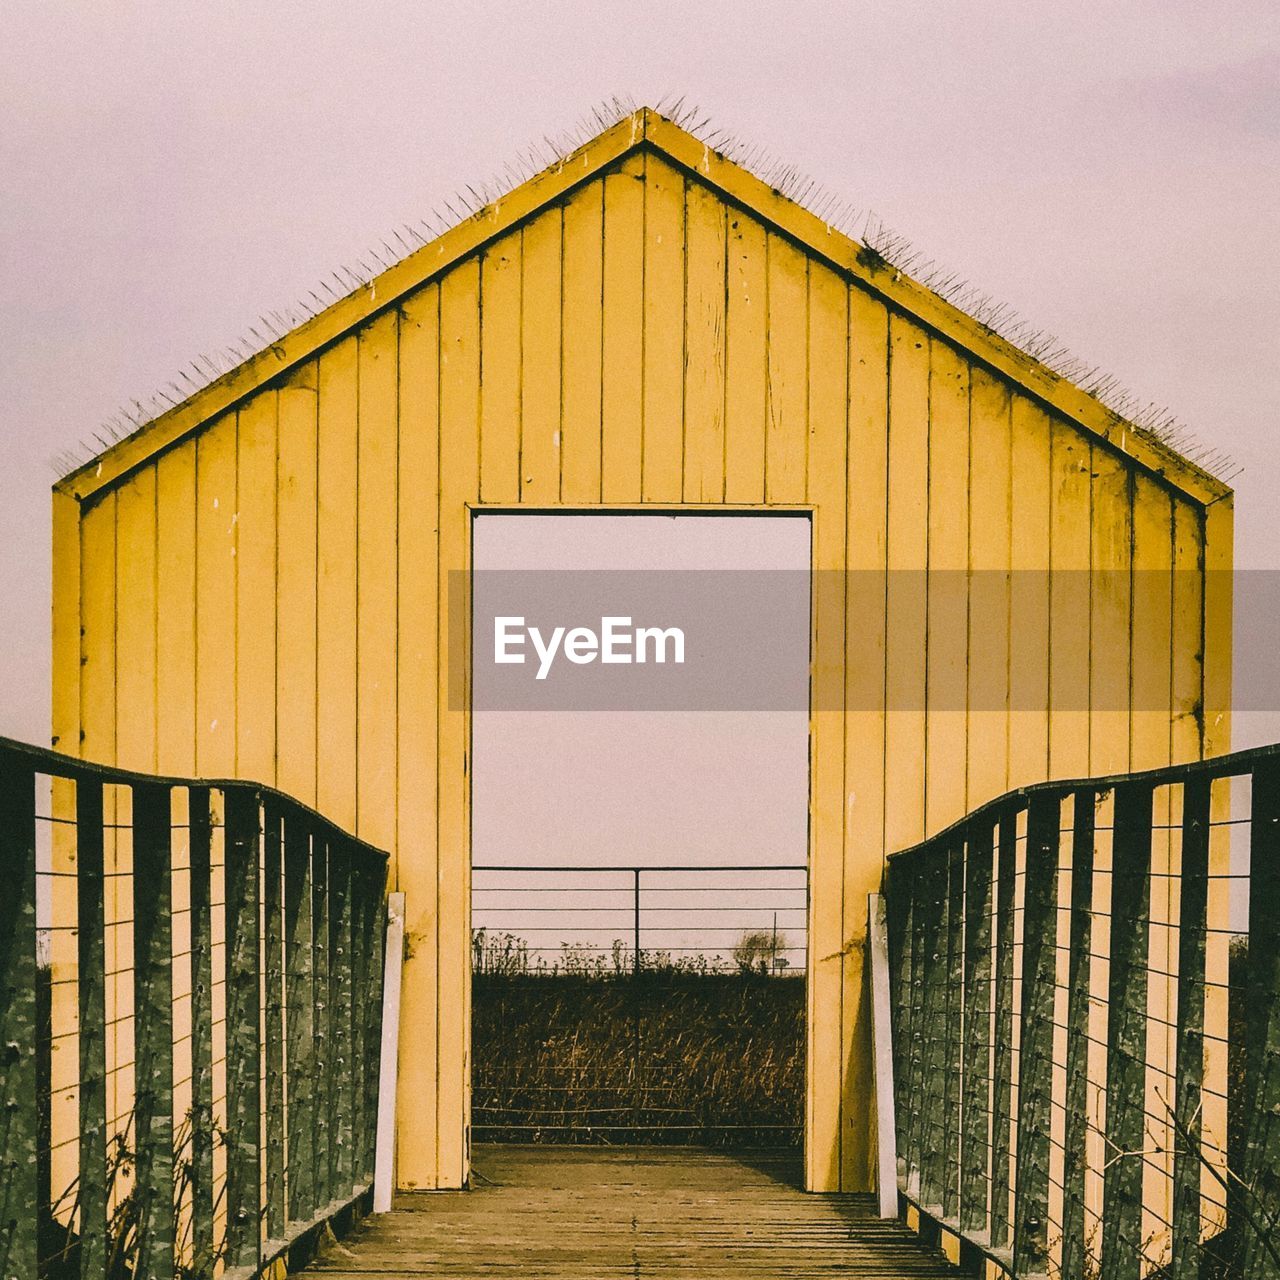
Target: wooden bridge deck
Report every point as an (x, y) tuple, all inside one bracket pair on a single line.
[(597, 1214)]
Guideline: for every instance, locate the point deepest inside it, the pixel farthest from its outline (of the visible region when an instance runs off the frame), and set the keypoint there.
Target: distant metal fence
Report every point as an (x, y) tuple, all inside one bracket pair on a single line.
[(189, 1022), (1085, 985), (639, 1004)]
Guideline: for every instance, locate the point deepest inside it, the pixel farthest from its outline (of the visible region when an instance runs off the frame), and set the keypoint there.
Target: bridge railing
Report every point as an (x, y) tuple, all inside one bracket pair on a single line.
[(1085, 994), (641, 1004), (189, 1022)]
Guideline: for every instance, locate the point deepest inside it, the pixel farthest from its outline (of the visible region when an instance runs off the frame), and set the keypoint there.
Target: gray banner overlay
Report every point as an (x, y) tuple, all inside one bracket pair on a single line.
[(776, 640)]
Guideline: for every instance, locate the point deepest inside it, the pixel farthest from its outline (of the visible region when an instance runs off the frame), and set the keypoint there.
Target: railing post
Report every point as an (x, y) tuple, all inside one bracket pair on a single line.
[(921, 946), (1192, 922), (244, 1096), (934, 1066), (388, 1073), (1002, 1087), (341, 1013), (1076, 1119), (1035, 1054), (304, 1065), (882, 1056), (955, 1066), (974, 1148), (1122, 1246), (202, 1132), (273, 968), (375, 944), (1259, 1234), (899, 907), (324, 1131), (635, 921), (637, 1086), (153, 1025), (19, 1189), (91, 983), (359, 1000)]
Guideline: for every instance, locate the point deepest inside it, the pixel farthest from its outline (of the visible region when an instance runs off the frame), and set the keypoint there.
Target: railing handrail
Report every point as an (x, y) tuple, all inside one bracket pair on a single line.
[(55, 763), (642, 867), (1028, 945), (285, 912), (1229, 764)]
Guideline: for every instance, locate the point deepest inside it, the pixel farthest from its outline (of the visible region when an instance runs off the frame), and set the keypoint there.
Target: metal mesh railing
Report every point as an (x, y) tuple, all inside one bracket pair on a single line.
[(639, 1004), (1086, 1016), (189, 1028)]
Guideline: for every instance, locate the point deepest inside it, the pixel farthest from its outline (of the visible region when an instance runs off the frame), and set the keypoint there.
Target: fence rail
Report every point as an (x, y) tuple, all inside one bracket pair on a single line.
[(1085, 989), (639, 1004), (177, 960)]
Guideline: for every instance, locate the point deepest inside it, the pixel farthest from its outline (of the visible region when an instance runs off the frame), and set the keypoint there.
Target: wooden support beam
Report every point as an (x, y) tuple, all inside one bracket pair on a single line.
[(1035, 1053), (878, 979), (341, 998), (244, 1049), (389, 1058), (1076, 1120), (953, 1030), (1192, 936), (19, 1189), (1259, 1231), (273, 967), (202, 1125), (975, 1150), (153, 1026), (1122, 1244), (305, 1067), (322, 1015), (1002, 1089), (91, 983), (933, 1026)]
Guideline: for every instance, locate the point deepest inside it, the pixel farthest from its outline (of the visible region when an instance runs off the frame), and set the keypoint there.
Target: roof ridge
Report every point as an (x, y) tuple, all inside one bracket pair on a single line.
[(879, 249)]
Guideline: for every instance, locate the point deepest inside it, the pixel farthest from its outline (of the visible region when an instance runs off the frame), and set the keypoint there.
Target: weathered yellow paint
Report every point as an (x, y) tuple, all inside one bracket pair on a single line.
[(907, 549), (269, 581), (704, 334), (946, 757), (376, 508), (539, 356), (176, 610), (501, 363), (990, 586), (1030, 556), (786, 386), (296, 629), (864, 720), (823, 436), (459, 475), (1110, 619), (336, 456), (662, 461), (582, 355), (1070, 507), (417, 709), (216, 539), (256, 602), (622, 319), (746, 360)]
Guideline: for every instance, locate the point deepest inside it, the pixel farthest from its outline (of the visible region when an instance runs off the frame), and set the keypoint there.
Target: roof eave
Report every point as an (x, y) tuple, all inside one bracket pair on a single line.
[(736, 184)]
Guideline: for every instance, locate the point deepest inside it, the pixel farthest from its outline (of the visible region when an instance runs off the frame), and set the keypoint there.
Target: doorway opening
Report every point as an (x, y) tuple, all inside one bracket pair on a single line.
[(640, 796)]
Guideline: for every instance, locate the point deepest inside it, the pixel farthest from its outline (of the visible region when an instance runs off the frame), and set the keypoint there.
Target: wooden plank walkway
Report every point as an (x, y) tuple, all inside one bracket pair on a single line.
[(596, 1214)]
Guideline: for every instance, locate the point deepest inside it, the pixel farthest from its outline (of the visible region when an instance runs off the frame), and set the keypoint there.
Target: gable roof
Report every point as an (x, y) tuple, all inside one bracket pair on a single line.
[(646, 128)]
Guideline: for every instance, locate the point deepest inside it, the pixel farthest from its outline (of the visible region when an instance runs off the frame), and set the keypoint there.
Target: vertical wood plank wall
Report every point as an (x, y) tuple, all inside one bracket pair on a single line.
[(270, 598)]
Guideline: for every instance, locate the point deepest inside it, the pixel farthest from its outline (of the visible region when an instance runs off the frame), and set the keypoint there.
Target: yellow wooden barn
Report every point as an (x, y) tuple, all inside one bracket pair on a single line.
[(254, 583)]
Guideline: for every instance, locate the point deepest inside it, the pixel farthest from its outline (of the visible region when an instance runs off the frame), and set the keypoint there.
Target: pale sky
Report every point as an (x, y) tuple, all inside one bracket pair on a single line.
[(627, 787), (170, 172)]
